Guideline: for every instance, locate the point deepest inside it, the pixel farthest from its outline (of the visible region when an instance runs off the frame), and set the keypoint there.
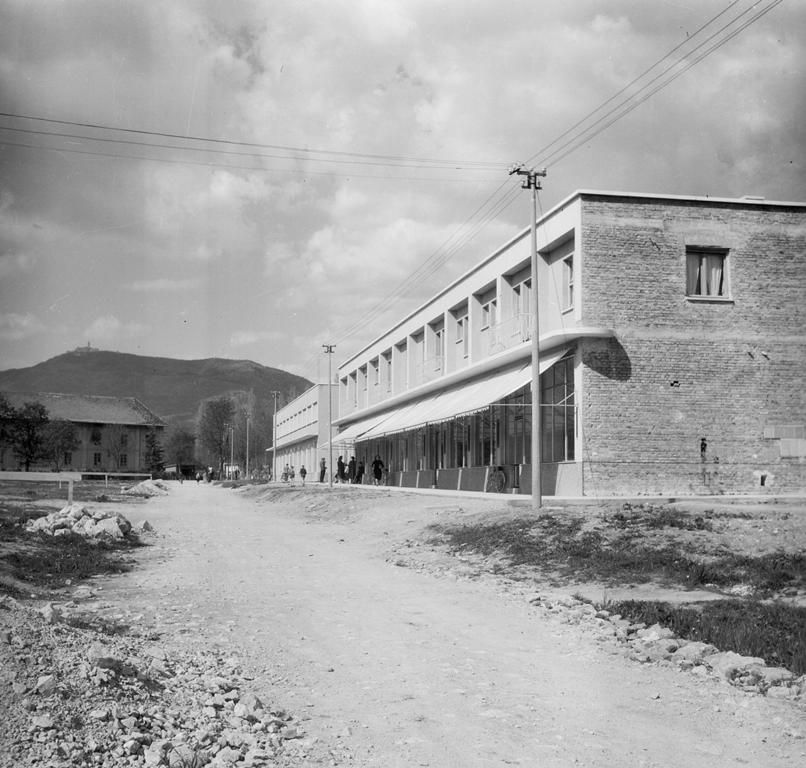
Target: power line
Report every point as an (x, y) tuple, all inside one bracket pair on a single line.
[(636, 99), (171, 161), (388, 159), (498, 203)]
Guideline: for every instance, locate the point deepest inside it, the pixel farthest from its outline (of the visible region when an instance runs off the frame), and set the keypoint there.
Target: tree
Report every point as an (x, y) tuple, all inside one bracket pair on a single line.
[(60, 437), (6, 418), (28, 432), (180, 446), (214, 416), (117, 440), (153, 456)]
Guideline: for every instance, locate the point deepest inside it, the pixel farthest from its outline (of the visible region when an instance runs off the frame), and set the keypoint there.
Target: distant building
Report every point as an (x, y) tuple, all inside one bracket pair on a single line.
[(111, 431), (302, 431), (672, 334)]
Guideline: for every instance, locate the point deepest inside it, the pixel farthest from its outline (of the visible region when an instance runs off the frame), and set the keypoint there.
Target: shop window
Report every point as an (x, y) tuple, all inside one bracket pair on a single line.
[(558, 412), (96, 459)]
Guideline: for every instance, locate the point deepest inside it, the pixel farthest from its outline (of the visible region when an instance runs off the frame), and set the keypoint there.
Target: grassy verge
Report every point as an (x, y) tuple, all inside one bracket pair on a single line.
[(563, 547), (565, 551), (774, 632)]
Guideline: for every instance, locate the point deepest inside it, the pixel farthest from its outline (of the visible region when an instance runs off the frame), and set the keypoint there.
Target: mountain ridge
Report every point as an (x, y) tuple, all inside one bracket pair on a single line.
[(172, 388)]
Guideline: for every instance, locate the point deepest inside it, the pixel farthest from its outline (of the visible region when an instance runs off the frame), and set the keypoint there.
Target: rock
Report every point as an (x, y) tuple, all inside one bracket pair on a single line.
[(108, 526), (46, 685), (655, 632), (104, 658), (693, 653), (729, 664), (51, 613), (43, 722), (132, 747)]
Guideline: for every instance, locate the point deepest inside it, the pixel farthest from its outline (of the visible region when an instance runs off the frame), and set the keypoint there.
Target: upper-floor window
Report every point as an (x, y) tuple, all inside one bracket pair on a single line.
[(489, 312), (387, 361), (706, 272), (463, 334), (124, 460), (439, 347), (522, 297), (568, 282)]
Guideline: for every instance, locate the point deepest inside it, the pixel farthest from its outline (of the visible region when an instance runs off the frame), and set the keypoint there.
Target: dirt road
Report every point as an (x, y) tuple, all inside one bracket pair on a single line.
[(388, 666)]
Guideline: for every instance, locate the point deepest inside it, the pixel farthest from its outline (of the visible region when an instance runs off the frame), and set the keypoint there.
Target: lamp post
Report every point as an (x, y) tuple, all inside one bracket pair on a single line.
[(246, 467)]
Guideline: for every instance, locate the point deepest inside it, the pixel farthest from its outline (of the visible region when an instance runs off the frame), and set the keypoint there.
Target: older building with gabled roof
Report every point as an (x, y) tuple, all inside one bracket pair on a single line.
[(111, 431)]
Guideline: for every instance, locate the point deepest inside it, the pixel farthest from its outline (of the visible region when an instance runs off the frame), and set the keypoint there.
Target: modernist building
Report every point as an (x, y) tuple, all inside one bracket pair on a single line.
[(302, 431), (111, 431), (672, 342)]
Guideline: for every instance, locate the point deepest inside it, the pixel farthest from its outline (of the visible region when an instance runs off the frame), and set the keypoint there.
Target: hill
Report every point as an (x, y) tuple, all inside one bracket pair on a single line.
[(171, 388)]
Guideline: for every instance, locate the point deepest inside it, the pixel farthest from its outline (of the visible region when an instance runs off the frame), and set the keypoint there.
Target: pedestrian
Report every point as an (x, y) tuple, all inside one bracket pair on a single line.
[(322, 469), (291, 473), (302, 473), (351, 470), (340, 469), (359, 473), (377, 469), (285, 473)]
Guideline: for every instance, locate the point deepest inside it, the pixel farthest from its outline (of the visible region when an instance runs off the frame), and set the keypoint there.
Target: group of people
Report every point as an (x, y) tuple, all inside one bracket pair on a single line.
[(353, 471), (289, 474)]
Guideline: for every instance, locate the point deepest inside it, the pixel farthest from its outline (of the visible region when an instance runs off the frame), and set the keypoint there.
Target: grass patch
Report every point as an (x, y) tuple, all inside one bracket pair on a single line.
[(774, 632), (40, 560), (562, 546)]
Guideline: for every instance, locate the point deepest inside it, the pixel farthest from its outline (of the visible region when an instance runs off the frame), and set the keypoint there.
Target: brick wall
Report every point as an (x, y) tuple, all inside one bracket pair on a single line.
[(679, 370)]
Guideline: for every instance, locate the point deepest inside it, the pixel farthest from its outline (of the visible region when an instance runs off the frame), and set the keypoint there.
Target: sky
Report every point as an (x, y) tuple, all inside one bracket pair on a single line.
[(253, 180)]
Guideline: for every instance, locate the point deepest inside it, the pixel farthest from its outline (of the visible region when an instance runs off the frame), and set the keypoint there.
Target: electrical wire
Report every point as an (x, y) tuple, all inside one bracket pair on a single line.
[(307, 152), (231, 166), (497, 203), (632, 102)]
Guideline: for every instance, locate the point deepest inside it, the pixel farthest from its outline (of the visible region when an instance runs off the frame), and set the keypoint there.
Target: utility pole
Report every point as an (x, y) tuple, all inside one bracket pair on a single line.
[(329, 351), (274, 437), (246, 469), (531, 182)]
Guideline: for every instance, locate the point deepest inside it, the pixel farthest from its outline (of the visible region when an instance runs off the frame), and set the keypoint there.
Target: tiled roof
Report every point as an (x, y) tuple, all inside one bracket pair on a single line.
[(95, 409)]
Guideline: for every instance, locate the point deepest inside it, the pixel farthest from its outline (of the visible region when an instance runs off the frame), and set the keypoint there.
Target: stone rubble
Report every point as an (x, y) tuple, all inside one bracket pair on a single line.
[(77, 696), (658, 645), (75, 518), (147, 489)]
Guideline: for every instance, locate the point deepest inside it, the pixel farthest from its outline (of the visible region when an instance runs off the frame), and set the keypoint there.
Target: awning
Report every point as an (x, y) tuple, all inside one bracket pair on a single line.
[(348, 436), (457, 401)]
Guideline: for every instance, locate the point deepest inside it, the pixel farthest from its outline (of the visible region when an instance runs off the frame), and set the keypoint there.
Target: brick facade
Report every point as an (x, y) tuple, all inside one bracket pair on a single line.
[(681, 370)]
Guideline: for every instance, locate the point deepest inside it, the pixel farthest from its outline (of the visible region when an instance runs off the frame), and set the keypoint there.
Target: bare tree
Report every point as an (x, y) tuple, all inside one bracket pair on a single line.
[(214, 416), (60, 438)]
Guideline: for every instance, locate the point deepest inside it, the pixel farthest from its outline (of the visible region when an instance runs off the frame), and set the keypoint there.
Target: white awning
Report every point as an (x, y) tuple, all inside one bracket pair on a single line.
[(347, 437), (457, 401)]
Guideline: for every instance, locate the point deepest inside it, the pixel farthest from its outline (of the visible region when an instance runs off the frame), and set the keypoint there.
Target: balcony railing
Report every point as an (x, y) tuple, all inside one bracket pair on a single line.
[(510, 332)]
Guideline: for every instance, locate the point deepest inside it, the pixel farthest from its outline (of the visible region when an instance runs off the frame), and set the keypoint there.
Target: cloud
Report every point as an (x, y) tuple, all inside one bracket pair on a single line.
[(164, 285), (14, 327), (111, 329), (245, 338)]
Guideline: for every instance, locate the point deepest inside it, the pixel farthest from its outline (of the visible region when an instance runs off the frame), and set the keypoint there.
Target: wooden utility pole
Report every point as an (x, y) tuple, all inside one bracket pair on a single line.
[(329, 351), (531, 182)]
